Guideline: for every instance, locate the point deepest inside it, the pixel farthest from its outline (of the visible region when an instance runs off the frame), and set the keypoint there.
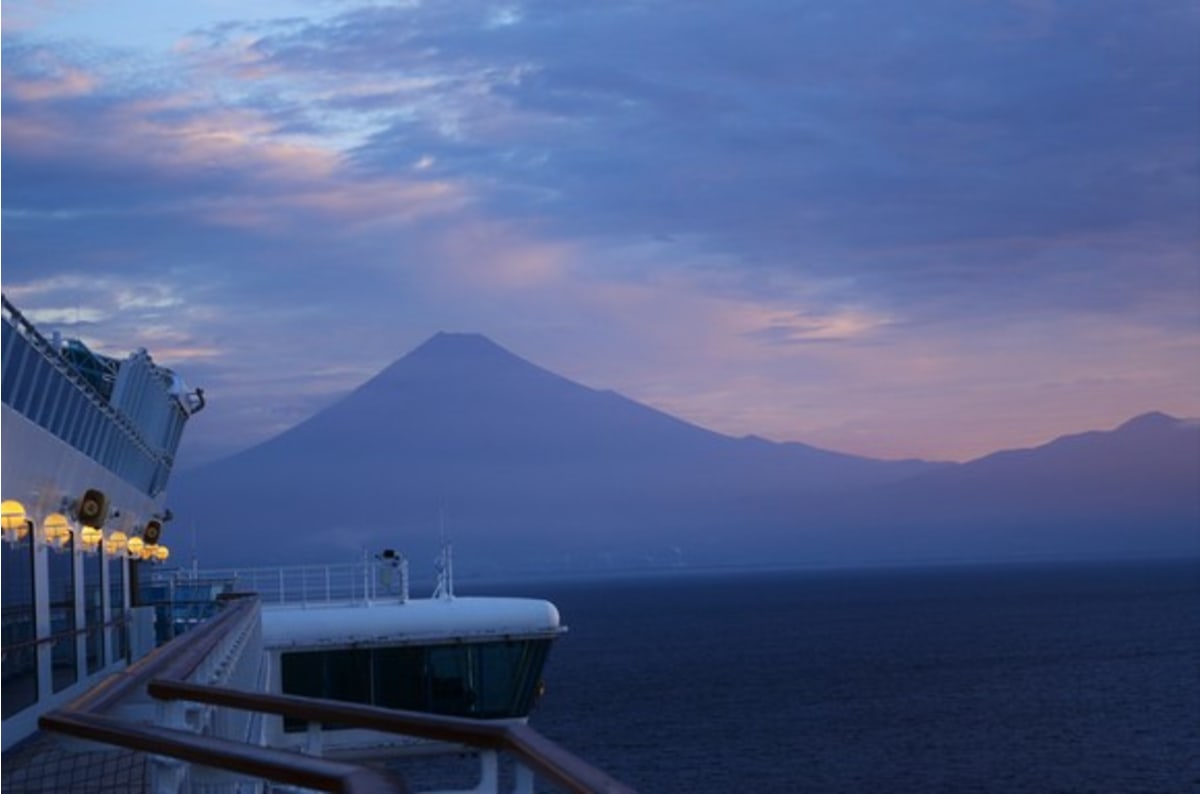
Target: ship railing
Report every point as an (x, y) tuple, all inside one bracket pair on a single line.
[(223, 651), (303, 585), (208, 716)]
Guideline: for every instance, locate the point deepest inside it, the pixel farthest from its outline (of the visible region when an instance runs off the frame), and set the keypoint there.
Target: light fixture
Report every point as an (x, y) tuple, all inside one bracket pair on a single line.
[(92, 508), (114, 544), (91, 538), (15, 524), (56, 531), (161, 553), (134, 547)]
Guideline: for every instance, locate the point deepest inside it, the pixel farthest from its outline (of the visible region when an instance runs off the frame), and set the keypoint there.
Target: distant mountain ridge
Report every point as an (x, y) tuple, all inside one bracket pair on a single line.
[(533, 471)]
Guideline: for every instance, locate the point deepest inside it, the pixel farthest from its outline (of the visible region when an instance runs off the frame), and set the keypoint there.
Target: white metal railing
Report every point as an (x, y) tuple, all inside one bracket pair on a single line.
[(382, 578)]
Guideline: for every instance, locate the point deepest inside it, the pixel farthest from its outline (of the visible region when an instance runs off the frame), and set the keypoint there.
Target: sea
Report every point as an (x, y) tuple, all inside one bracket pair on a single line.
[(1077, 677)]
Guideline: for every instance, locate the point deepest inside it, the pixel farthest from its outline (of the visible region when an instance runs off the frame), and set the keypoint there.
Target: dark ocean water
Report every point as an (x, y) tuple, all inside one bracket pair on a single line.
[(1071, 678)]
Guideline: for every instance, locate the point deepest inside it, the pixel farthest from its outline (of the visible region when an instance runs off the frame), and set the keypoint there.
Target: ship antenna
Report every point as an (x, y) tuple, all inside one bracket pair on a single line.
[(445, 562)]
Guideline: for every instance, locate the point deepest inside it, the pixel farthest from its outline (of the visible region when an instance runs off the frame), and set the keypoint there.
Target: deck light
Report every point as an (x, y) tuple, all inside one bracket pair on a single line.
[(14, 522), (161, 553), (91, 537), (56, 531), (134, 547), (114, 544)]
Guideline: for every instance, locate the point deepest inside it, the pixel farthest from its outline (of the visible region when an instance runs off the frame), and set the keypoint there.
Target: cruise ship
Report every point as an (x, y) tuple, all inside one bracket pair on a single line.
[(122, 672)]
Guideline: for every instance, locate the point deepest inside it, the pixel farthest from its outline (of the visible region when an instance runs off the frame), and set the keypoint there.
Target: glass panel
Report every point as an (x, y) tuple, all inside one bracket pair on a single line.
[(93, 608), (116, 606), (64, 664), (58, 420), (51, 394), (91, 433), (19, 627), (8, 338), (503, 670), (451, 680), (38, 378), (17, 374), (75, 419), (336, 675), (482, 680), (12, 362), (103, 453), (398, 679)]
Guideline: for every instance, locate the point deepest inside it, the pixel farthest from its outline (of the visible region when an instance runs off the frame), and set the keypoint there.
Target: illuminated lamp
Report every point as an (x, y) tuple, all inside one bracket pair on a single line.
[(91, 538), (134, 547), (114, 544), (161, 553), (56, 531), (13, 520)]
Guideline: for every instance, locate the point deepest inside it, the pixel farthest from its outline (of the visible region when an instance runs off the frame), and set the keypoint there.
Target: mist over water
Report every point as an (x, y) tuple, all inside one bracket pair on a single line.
[(1080, 677)]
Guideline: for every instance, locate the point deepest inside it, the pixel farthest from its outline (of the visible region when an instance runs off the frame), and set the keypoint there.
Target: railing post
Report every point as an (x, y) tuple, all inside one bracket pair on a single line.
[(167, 775), (522, 779), (489, 773), (312, 738)]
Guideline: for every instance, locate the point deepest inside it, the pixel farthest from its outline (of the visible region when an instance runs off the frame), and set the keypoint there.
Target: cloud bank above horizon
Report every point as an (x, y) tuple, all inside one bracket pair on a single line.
[(929, 230)]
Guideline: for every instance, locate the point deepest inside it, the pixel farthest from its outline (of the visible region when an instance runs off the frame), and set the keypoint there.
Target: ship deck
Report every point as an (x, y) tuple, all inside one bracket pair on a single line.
[(183, 718)]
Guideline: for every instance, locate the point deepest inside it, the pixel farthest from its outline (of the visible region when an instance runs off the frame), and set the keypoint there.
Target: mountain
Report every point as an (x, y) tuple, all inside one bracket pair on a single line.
[(524, 469), (1131, 491), (521, 463)]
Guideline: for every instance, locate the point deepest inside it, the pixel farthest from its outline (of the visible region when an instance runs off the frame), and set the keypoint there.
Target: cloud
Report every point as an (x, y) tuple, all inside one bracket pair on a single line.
[(801, 139), (792, 220)]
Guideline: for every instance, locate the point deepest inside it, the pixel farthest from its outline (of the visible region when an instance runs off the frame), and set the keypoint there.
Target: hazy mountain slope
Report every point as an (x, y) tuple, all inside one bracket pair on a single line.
[(522, 462), (1131, 490)]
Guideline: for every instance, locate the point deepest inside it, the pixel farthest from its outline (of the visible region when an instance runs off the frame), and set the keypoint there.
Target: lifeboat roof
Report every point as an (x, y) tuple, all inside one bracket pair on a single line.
[(419, 621)]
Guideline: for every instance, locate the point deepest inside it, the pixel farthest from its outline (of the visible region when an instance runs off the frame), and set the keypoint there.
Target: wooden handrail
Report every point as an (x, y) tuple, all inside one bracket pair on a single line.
[(176, 659), (50, 639), (260, 762), (537, 752)]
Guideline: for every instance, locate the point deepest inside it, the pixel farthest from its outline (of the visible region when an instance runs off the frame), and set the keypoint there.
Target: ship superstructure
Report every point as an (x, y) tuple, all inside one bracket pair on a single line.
[(88, 443)]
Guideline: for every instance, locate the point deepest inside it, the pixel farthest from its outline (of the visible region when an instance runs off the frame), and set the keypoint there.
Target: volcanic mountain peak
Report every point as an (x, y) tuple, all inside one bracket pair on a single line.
[(454, 343)]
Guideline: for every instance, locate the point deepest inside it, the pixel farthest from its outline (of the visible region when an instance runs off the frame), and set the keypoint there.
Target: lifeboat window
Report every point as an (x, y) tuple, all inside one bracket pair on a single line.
[(451, 680), (398, 678), (484, 680), (510, 672), (339, 675)]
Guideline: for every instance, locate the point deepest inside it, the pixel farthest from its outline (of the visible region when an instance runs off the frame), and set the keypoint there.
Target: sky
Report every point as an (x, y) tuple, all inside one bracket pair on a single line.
[(926, 229)]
